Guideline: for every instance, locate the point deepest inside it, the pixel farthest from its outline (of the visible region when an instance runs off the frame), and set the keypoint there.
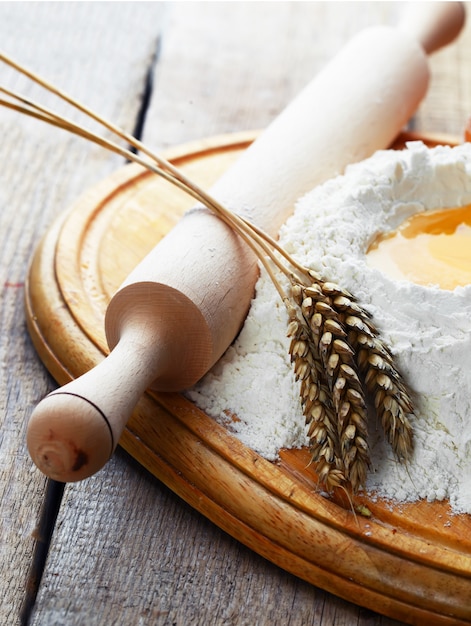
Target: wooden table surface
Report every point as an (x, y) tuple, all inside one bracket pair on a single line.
[(125, 549)]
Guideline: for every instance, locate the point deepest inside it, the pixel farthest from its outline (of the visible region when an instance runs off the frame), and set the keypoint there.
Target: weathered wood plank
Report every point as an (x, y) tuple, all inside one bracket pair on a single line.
[(226, 71), (101, 54), (227, 67), (110, 567), (126, 550)]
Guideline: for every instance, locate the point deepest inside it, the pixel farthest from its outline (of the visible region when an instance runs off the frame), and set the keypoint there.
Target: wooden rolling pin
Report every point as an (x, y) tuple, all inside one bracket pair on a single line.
[(183, 305)]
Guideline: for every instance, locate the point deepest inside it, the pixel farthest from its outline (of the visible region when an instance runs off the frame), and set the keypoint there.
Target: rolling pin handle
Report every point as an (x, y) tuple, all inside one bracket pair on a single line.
[(73, 431), (433, 24)]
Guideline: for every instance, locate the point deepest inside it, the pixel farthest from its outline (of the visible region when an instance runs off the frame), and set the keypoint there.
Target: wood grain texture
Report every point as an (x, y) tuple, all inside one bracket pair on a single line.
[(235, 66), (41, 171), (126, 550)]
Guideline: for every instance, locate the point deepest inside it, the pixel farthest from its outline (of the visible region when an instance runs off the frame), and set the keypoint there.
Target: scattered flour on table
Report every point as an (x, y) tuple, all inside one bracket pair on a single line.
[(252, 390)]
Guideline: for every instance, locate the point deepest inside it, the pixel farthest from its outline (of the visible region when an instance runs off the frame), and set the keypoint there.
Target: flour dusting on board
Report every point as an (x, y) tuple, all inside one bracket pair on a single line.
[(252, 390)]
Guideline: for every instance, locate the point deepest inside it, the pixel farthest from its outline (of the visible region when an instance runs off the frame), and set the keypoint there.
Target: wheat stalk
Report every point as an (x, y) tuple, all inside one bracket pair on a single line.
[(336, 352)]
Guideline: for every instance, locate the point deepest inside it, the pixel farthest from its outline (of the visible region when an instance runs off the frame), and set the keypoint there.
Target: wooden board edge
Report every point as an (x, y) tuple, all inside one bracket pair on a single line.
[(62, 375)]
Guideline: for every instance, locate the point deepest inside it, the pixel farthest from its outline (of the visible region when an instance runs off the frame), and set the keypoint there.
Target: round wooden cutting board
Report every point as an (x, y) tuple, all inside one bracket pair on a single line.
[(410, 562)]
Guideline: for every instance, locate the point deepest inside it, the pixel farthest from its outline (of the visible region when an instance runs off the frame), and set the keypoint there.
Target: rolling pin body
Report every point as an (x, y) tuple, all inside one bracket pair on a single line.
[(182, 306), (356, 105)]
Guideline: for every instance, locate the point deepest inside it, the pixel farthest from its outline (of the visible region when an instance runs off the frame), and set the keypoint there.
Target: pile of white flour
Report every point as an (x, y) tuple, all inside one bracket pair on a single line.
[(428, 329)]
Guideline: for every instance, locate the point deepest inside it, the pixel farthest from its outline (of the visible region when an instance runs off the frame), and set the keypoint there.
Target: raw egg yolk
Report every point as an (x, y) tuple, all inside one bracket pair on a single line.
[(430, 248)]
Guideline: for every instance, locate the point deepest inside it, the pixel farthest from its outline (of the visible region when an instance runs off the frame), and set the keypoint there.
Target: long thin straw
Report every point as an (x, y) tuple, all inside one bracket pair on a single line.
[(165, 169)]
